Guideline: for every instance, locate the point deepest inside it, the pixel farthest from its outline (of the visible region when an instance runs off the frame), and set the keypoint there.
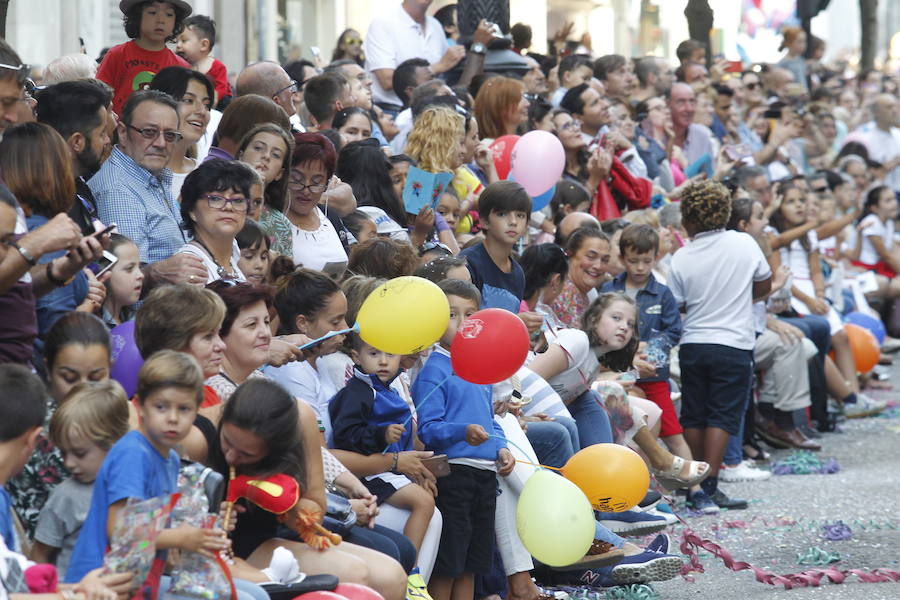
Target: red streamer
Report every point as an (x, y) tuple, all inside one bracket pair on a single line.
[(691, 542)]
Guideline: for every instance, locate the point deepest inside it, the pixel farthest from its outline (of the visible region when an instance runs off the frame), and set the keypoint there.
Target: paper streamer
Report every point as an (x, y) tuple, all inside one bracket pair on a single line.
[(691, 542)]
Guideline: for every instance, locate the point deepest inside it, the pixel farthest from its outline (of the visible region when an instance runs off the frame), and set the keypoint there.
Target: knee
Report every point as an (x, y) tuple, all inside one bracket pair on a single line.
[(387, 577), (840, 338)]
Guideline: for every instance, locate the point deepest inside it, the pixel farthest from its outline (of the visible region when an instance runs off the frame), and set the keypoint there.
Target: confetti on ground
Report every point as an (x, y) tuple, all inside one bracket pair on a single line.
[(805, 463), (817, 557), (837, 532)]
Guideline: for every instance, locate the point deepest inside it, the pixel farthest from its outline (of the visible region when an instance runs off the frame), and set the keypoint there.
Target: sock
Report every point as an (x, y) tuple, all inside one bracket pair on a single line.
[(850, 399), (710, 485)]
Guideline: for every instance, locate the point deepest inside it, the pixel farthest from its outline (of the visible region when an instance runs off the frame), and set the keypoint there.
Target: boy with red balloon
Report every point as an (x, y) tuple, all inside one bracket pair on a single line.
[(456, 418)]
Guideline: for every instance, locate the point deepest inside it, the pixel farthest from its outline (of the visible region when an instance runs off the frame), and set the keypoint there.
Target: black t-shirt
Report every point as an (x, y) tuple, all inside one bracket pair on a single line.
[(498, 289)]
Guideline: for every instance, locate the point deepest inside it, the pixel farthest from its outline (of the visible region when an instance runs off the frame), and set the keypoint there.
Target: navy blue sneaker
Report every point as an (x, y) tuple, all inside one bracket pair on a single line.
[(641, 568), (701, 502), (650, 499), (660, 543), (631, 522)]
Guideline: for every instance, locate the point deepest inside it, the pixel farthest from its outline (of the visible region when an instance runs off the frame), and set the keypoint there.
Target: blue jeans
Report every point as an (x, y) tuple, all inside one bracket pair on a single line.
[(555, 441), (387, 541), (591, 419), (246, 590)]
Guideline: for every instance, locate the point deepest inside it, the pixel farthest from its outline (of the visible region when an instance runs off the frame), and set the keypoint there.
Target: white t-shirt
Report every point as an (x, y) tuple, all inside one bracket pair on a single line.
[(583, 363), (395, 37), (212, 269), (872, 225), (302, 381), (7, 557), (320, 248), (205, 141), (797, 258), (712, 276), (883, 146)]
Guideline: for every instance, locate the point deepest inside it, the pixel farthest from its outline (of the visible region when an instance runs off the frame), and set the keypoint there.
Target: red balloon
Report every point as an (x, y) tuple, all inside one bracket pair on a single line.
[(489, 346), (356, 591), (502, 149), (319, 595)]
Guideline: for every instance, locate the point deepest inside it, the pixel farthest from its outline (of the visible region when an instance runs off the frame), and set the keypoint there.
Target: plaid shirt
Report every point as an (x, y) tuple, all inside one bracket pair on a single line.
[(141, 204)]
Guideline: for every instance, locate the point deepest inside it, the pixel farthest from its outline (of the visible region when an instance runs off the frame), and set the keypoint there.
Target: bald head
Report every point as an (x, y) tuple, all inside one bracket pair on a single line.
[(885, 111), (573, 221), (267, 79)]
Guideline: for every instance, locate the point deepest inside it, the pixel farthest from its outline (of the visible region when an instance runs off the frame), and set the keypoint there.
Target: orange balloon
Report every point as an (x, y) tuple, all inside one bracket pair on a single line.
[(864, 346), (614, 478)]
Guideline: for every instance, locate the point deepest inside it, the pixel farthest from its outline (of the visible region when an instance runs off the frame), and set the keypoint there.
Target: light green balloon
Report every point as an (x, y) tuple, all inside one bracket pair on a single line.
[(554, 519)]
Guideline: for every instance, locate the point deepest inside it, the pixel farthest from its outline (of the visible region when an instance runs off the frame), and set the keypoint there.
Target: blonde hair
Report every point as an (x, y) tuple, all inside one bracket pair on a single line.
[(172, 314), (96, 411), (170, 369), (646, 216), (435, 138)]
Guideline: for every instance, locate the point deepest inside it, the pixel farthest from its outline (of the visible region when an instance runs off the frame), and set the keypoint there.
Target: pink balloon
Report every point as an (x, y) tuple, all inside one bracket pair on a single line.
[(538, 161)]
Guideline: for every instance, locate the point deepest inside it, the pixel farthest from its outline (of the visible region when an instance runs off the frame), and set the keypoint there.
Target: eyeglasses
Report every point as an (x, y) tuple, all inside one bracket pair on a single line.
[(151, 133), (313, 188), (218, 202), (573, 124), (294, 87), (22, 72)]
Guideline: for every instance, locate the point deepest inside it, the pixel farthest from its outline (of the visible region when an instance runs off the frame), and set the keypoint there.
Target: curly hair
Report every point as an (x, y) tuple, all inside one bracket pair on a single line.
[(434, 140), (617, 360), (706, 205)]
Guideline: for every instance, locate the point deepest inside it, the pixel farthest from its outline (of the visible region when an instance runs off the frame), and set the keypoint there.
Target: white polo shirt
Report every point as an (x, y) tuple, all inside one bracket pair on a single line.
[(712, 276), (883, 146), (395, 37)]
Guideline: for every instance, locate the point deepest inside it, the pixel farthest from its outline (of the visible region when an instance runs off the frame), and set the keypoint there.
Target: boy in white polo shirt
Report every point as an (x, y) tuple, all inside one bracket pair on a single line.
[(715, 279)]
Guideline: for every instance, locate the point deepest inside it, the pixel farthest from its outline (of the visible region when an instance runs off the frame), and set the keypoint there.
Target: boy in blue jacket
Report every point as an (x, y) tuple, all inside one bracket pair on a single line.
[(369, 417), (455, 417)]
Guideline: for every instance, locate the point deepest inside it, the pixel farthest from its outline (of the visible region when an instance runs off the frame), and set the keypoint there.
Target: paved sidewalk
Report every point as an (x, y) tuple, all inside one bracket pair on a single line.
[(864, 494)]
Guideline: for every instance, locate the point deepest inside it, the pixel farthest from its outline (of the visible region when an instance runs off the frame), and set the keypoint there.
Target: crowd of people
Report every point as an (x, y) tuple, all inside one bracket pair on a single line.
[(685, 291)]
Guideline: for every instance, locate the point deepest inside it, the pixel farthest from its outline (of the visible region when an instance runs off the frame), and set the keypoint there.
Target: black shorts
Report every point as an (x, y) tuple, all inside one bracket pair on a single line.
[(715, 384), (467, 499)]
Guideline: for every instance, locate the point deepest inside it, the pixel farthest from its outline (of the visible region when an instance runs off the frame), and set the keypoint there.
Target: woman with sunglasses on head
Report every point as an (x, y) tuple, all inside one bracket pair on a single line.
[(214, 206), (349, 46), (194, 93)]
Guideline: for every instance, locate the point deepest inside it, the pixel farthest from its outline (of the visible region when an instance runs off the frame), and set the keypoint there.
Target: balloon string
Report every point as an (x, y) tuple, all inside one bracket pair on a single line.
[(436, 387), (503, 438), (525, 462), (328, 335)]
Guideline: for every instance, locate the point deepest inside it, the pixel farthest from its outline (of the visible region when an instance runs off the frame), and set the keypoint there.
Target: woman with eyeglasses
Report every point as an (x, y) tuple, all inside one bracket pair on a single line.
[(267, 148), (568, 130), (194, 93), (215, 200), (653, 138), (318, 235)]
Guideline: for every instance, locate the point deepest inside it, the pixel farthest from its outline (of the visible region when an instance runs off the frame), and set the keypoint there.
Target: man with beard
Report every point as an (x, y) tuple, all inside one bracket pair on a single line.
[(79, 111)]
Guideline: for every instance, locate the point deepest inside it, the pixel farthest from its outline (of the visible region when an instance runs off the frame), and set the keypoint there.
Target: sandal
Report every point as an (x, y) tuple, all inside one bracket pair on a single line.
[(671, 478)]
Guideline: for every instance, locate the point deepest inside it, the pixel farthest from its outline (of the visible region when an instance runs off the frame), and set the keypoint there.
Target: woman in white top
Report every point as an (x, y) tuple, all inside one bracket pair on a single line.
[(316, 242), (194, 93), (802, 256), (214, 206)]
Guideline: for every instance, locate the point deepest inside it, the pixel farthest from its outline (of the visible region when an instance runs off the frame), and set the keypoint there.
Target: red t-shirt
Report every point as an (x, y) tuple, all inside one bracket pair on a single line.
[(218, 73), (128, 68)]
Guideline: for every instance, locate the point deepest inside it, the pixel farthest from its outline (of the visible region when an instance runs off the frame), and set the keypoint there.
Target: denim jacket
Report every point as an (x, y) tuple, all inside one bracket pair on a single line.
[(657, 311)]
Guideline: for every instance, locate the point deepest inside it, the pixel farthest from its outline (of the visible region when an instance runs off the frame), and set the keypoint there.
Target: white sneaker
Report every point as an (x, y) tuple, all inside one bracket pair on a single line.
[(742, 472), (864, 407)]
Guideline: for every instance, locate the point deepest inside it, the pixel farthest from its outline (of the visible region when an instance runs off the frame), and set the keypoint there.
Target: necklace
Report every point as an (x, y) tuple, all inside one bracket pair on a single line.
[(220, 270)]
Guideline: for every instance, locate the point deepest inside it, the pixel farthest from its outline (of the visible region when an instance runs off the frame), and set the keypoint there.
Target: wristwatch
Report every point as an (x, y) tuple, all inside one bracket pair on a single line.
[(478, 48)]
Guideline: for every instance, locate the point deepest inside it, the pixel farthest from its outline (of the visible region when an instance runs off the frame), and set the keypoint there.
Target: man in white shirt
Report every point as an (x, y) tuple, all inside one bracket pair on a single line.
[(402, 33), (883, 137), (694, 142)]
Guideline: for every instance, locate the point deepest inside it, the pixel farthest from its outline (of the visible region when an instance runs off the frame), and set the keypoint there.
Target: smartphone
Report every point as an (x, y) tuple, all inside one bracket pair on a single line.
[(737, 151), (104, 264), (439, 465), (102, 232), (315, 51)]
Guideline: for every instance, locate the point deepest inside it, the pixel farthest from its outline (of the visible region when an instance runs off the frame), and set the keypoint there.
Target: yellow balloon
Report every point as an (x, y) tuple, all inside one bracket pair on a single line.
[(554, 519), (613, 477), (404, 315)]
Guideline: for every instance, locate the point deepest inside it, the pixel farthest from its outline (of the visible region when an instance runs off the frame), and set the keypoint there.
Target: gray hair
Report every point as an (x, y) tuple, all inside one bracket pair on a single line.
[(69, 68), (669, 215)]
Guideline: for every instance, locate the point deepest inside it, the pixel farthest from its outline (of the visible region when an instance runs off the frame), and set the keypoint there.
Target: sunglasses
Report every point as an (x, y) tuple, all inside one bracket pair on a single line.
[(151, 133), (22, 72)]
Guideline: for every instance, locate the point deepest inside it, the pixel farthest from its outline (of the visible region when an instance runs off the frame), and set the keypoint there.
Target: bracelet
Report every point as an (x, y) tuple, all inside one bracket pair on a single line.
[(394, 462), (52, 278), (66, 594), (31, 260)]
